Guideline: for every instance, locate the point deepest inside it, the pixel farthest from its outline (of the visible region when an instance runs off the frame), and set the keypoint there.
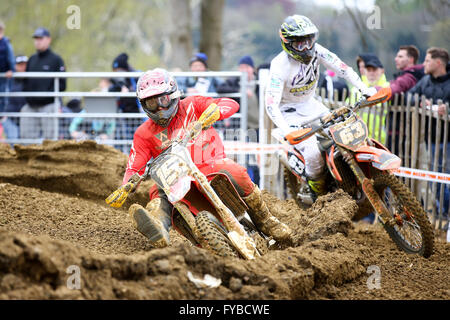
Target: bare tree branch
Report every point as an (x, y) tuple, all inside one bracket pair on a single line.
[(358, 27)]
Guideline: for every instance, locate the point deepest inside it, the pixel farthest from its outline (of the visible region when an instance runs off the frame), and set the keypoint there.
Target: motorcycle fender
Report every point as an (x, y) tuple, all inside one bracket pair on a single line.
[(183, 222), (331, 165), (227, 192), (195, 201), (380, 158)]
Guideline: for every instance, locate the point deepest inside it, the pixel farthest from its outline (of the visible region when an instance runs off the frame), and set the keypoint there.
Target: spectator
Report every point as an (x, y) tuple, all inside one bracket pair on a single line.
[(93, 129), (103, 85), (125, 105), (360, 65), (374, 77), (126, 127), (233, 85), (15, 104), (44, 60), (361, 62), (264, 65), (375, 73), (73, 106), (408, 75), (6, 65), (435, 85), (199, 85), (410, 72)]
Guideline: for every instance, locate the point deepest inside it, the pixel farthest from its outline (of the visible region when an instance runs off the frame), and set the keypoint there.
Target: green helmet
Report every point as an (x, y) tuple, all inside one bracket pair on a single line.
[(298, 37)]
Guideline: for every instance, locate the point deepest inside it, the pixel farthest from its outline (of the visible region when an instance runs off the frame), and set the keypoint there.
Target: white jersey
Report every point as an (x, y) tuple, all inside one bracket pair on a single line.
[(292, 82)]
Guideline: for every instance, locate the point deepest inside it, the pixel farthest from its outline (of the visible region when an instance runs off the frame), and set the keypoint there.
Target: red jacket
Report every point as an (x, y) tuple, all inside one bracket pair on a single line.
[(150, 138)]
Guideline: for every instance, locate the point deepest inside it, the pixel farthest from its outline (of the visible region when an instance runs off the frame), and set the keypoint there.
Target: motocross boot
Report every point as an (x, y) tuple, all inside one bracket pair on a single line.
[(264, 220), (318, 186), (153, 222)]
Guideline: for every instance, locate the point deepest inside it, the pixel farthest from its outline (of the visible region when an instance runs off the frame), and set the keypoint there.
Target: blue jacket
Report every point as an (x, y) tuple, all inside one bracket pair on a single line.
[(7, 60)]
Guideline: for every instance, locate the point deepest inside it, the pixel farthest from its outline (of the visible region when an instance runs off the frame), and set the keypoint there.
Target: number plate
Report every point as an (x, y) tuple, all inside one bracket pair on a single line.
[(350, 134)]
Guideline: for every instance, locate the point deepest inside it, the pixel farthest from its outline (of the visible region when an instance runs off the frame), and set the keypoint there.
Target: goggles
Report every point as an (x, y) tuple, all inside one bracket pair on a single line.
[(303, 43), (152, 104)]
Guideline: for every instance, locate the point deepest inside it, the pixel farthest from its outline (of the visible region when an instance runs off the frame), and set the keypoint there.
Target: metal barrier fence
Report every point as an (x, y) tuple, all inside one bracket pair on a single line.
[(103, 125)]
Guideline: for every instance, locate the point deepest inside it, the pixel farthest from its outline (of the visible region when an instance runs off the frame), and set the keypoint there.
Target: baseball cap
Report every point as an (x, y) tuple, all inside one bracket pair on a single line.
[(41, 32), (373, 62), (21, 58)]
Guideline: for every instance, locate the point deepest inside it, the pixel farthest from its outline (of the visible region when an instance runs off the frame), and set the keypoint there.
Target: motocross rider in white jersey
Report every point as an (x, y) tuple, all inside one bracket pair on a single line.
[(289, 97)]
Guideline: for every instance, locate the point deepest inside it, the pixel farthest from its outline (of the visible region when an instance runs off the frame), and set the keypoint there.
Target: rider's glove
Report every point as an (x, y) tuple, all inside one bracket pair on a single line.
[(369, 92), (118, 197), (209, 116)]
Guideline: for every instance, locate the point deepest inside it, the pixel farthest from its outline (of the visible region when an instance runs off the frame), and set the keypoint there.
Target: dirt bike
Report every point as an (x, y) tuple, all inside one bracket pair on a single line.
[(208, 211), (362, 167)]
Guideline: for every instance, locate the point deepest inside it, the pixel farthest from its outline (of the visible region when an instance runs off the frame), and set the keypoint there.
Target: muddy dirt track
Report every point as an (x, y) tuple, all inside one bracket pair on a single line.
[(53, 216)]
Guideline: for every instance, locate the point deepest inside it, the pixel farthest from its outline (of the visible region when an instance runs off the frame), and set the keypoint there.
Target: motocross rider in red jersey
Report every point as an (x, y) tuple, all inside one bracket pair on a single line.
[(158, 93)]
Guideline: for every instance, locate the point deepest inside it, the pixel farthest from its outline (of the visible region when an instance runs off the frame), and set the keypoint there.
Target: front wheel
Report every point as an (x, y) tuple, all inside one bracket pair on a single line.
[(412, 231), (213, 234)]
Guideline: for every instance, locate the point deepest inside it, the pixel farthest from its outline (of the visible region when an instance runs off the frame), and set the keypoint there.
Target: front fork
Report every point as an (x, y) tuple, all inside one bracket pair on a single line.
[(236, 232), (368, 189)]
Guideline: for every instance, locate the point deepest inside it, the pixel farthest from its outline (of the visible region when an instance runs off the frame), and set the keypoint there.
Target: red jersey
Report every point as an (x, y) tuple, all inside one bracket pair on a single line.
[(150, 139)]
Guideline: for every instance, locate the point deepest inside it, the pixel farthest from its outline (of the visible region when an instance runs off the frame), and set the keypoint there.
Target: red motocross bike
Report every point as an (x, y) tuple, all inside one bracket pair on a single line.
[(363, 168), (208, 211)]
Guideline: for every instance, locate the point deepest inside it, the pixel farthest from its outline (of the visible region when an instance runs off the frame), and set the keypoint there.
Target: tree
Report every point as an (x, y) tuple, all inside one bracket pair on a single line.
[(179, 48), (211, 31)]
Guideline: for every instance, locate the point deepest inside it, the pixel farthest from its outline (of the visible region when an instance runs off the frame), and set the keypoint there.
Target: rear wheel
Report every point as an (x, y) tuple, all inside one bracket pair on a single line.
[(412, 231), (214, 234)]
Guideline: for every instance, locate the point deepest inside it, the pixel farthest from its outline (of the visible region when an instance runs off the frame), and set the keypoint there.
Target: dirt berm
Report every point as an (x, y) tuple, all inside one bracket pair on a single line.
[(53, 220)]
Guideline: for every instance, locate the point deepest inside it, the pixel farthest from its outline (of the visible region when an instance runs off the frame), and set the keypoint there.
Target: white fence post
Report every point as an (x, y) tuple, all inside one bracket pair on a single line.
[(263, 77)]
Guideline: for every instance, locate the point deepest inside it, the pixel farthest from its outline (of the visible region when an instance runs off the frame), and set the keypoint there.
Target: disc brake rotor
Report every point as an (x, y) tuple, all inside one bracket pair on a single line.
[(405, 225)]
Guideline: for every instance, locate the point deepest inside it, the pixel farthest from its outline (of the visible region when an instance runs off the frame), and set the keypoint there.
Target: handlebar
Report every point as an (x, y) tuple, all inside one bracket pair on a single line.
[(208, 117), (300, 135)]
